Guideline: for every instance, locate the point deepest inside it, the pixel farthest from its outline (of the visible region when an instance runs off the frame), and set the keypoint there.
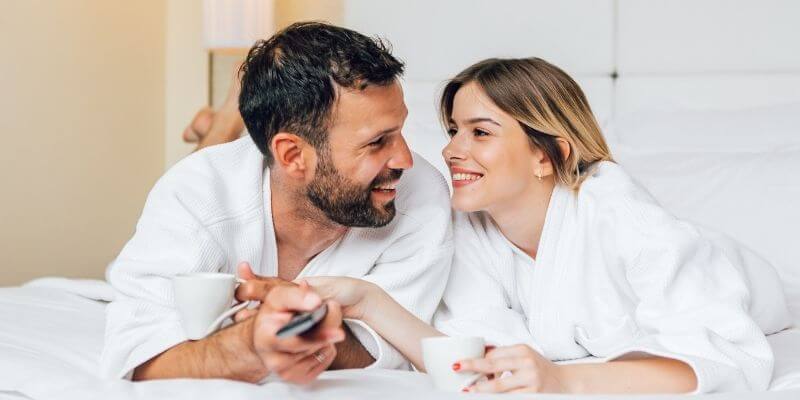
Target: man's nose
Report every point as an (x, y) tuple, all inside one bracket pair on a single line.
[(401, 155)]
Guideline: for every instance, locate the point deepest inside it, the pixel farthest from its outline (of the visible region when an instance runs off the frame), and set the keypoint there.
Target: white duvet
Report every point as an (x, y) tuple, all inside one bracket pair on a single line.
[(50, 342)]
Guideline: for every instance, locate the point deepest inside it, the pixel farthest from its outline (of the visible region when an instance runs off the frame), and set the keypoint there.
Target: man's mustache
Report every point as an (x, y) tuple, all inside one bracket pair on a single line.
[(393, 175)]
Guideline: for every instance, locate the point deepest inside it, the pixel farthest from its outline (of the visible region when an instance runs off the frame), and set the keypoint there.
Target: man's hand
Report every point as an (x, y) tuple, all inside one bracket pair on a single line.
[(255, 288), (249, 351), (298, 359)]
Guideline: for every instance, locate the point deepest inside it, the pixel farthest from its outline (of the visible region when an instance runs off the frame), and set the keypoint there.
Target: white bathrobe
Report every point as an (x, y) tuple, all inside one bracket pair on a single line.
[(615, 274), (212, 210)]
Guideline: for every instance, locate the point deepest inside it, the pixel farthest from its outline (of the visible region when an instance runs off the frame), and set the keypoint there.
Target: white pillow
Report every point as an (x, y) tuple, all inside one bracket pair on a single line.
[(775, 128), (752, 197)]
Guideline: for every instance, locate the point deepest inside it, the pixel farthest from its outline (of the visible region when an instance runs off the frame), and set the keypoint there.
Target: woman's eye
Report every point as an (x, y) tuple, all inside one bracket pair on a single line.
[(377, 143), (452, 132), (480, 132)]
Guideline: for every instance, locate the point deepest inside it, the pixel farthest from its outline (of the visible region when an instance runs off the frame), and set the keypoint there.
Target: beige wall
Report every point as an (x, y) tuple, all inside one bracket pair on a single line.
[(95, 96), (82, 124), (186, 74), (290, 11)]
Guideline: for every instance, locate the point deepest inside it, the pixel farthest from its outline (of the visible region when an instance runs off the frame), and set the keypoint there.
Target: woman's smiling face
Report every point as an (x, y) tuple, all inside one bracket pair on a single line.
[(490, 157)]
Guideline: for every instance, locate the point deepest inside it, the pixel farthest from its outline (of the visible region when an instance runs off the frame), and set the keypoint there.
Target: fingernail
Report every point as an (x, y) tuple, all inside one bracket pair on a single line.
[(465, 390), (456, 366)]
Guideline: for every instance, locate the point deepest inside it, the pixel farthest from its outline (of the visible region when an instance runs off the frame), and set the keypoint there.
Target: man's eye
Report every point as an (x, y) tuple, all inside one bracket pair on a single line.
[(480, 132), (377, 143)]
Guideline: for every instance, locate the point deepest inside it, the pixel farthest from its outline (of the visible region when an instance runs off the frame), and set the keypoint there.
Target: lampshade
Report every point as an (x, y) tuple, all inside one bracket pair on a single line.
[(237, 24)]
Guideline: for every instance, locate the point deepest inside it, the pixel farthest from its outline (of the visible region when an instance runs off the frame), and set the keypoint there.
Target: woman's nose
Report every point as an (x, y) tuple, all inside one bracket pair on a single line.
[(454, 150)]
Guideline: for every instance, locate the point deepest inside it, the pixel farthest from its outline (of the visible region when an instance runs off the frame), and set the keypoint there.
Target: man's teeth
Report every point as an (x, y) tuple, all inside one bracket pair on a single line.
[(392, 186), (466, 177)]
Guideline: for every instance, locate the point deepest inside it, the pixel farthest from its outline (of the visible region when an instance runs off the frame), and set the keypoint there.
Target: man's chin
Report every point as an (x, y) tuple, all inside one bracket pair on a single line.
[(385, 213)]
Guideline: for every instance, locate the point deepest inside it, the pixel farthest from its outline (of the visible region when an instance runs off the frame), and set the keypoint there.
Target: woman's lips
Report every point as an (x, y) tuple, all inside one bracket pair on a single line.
[(462, 177)]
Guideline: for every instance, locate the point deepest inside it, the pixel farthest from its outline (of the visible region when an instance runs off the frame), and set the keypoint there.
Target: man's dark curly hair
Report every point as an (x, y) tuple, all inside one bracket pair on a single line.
[(289, 81)]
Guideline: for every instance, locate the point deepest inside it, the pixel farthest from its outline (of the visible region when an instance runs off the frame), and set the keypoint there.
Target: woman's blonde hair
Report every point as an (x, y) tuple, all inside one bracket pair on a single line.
[(547, 103)]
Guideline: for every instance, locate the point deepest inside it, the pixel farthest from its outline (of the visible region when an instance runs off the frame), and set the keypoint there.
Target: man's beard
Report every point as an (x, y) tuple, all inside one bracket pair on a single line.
[(345, 202)]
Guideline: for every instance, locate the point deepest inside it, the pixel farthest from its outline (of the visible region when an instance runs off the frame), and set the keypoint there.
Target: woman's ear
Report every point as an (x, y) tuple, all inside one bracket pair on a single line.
[(566, 150), (288, 151)]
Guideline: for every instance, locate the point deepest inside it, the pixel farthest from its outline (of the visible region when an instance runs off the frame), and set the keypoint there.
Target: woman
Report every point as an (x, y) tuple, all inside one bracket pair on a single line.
[(560, 256)]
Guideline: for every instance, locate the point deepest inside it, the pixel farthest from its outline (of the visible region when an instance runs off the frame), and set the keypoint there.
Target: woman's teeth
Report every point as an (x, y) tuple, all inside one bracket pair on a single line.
[(466, 177)]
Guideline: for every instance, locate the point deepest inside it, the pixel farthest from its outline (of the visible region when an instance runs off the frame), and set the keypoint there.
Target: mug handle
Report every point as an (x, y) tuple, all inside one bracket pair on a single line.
[(227, 314)]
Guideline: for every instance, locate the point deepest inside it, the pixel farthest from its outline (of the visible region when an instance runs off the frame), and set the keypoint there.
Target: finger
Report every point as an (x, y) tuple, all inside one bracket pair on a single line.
[(491, 365), (252, 290), (266, 324), (502, 385), (328, 331), (520, 350), (277, 362), (245, 314), (245, 271), (300, 344), (308, 368), (320, 284), (333, 319), (330, 328), (291, 298)]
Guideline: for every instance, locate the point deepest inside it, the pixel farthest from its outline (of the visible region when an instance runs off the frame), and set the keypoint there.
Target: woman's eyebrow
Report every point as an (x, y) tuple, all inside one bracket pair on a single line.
[(483, 119)]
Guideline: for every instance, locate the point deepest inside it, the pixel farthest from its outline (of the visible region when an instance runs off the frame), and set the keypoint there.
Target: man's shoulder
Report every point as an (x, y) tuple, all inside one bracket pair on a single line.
[(213, 182)]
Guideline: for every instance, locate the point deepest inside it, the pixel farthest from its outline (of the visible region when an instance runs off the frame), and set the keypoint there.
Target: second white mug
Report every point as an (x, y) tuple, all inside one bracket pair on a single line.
[(441, 352)]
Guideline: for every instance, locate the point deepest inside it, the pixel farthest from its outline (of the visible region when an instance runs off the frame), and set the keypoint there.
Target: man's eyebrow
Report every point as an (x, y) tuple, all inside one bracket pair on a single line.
[(383, 132)]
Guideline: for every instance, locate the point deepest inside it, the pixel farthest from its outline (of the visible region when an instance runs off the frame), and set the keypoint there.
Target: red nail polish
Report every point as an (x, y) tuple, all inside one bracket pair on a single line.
[(456, 366), (465, 390)]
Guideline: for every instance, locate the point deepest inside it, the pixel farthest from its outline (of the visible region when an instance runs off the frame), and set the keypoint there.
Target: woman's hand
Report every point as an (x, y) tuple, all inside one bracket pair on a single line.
[(354, 295), (529, 372)]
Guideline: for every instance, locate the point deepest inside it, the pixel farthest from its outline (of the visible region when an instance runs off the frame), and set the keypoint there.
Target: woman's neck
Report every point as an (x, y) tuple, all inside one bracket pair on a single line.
[(521, 218)]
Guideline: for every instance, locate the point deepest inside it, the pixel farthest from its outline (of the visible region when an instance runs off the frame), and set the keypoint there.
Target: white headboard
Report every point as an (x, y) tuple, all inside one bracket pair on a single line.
[(437, 39), (628, 55)]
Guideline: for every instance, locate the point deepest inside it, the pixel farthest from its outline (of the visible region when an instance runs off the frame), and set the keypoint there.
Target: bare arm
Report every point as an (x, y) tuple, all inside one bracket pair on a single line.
[(367, 302), (227, 354), (649, 375), (249, 350), (532, 372), (350, 353)]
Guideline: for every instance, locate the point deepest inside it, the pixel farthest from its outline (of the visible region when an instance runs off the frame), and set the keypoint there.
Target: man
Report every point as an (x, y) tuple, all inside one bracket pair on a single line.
[(315, 190)]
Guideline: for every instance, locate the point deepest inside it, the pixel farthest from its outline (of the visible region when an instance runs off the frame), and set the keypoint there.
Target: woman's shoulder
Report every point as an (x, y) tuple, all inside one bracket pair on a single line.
[(609, 186)]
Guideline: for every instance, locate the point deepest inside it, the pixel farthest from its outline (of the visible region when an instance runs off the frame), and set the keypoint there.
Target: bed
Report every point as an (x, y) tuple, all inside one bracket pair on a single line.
[(713, 134)]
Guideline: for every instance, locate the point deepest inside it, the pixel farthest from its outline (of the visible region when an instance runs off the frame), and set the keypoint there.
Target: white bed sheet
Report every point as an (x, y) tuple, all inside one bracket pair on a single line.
[(50, 341)]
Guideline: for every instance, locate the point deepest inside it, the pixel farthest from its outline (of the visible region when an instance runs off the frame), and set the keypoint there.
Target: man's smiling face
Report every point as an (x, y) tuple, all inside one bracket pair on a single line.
[(358, 169)]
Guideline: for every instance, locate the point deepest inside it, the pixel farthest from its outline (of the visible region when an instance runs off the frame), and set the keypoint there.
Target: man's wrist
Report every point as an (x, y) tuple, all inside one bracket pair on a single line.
[(240, 359)]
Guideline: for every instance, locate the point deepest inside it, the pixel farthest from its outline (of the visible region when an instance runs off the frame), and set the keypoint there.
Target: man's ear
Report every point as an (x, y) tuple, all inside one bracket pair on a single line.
[(289, 152)]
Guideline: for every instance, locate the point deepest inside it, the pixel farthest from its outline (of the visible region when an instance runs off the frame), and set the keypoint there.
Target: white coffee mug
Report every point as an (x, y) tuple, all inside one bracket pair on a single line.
[(441, 352), (204, 301)]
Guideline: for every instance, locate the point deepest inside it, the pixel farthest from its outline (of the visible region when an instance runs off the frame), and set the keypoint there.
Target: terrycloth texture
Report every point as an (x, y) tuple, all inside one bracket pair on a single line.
[(616, 274), (212, 210)]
